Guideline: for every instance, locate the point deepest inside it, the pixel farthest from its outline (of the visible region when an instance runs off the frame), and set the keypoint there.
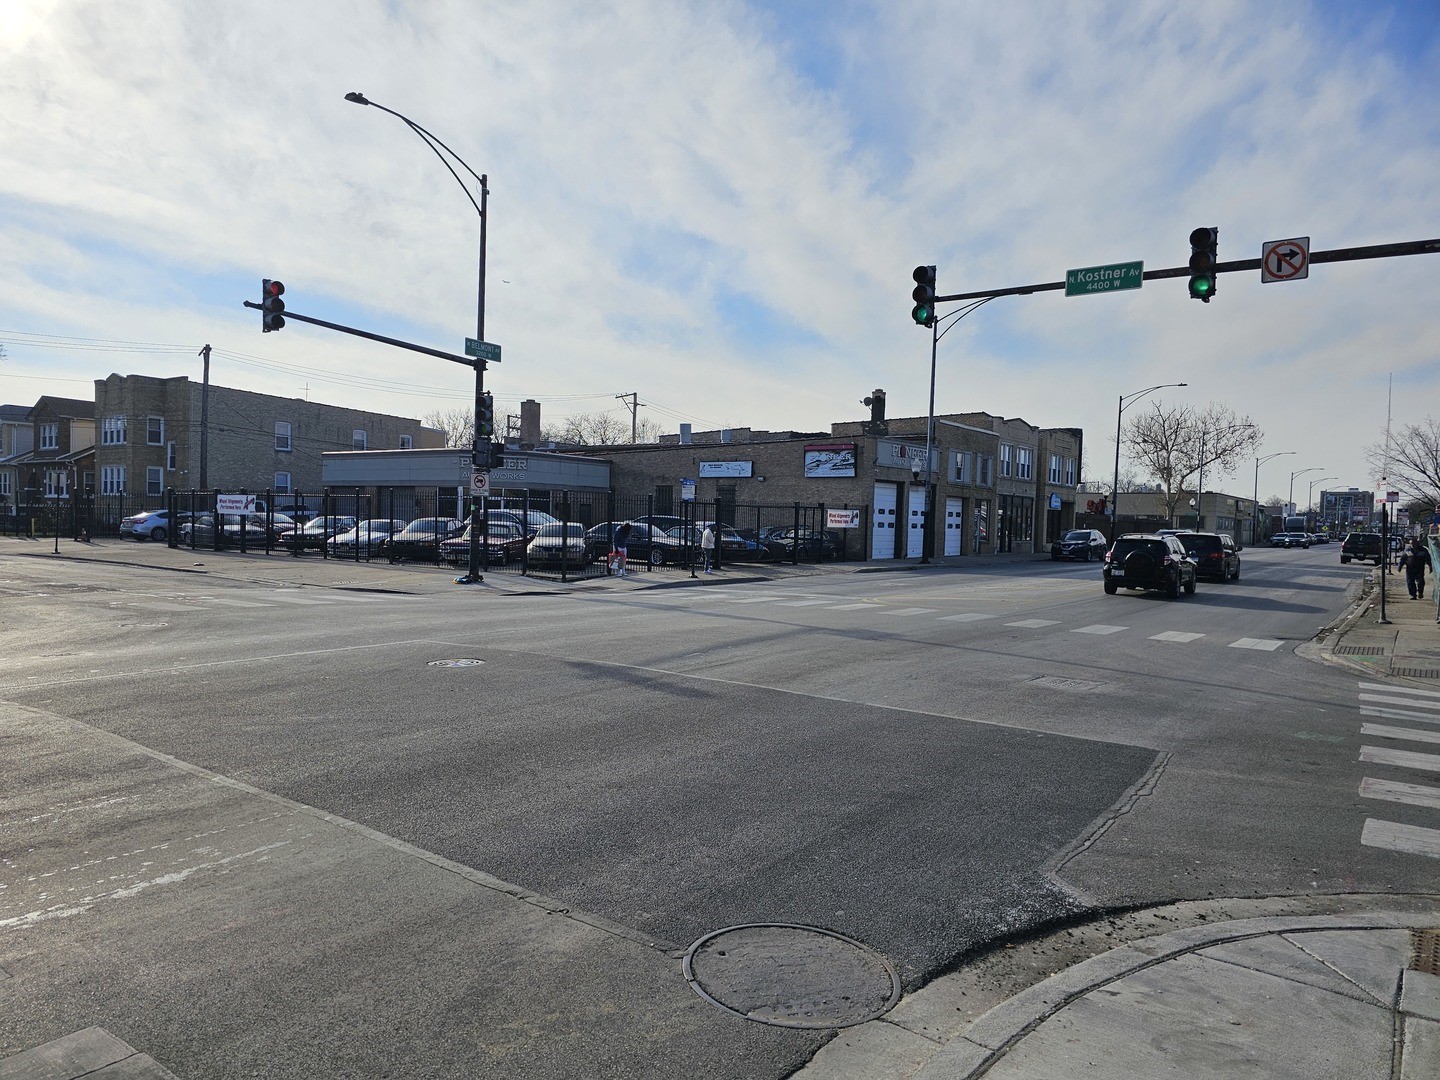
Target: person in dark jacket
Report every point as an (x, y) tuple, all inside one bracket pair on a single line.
[(618, 549), (1416, 561)]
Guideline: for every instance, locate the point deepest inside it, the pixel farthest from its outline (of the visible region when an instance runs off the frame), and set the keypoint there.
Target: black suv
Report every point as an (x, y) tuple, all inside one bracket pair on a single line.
[(1215, 555), (1361, 546), (1148, 561)]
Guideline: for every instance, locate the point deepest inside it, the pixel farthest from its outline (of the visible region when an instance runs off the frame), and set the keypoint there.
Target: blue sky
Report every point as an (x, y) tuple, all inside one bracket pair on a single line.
[(718, 204)]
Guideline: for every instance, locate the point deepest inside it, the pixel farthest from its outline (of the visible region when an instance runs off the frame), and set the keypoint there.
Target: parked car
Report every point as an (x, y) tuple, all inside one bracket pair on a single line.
[(201, 531), (1215, 555), (529, 520), (1362, 546), (149, 525), (563, 541), (1149, 561), (313, 535), (1320, 538), (647, 543), (1082, 544), (732, 545), (367, 536), (505, 542), (421, 539), (814, 545), (1290, 540)]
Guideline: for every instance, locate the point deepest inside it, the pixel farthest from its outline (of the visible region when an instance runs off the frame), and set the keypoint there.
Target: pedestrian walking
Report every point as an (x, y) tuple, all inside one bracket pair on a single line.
[(707, 546), (1416, 561), (618, 553)]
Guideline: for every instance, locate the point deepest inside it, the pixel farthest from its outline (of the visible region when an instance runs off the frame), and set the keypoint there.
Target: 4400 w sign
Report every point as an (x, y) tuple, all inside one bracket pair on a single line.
[(1098, 279)]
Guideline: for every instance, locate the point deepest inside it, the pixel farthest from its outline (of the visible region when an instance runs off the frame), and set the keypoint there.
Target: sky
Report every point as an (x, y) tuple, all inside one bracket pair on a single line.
[(717, 205)]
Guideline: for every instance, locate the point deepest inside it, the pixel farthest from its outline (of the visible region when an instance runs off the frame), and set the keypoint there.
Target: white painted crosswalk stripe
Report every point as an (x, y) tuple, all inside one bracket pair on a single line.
[(1034, 624), (1411, 839), (1176, 636), (1381, 731), (905, 611), (1400, 714), (1393, 791), (968, 617), (852, 607), (803, 603), (288, 598), (1261, 644), (1405, 759), (1099, 628), (227, 602), (1412, 703), (1389, 689)]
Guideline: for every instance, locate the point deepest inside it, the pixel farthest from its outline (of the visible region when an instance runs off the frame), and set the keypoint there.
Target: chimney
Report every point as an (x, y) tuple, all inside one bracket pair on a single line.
[(529, 423), (876, 401), (684, 434)]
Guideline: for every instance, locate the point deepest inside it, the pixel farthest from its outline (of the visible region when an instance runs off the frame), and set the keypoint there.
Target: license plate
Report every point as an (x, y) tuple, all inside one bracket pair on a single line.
[(1117, 573)]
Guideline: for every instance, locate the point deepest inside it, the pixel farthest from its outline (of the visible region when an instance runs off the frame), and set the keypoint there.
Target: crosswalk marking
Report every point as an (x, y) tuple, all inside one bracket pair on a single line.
[(1033, 624), (286, 598), (802, 603), (1394, 791), (1399, 714), (1414, 703), (355, 598), (906, 611), (161, 606), (753, 599), (1099, 628), (1380, 731), (1399, 689), (1262, 644), (227, 602), (851, 607), (1411, 839), (1405, 759), (970, 617), (1177, 636)]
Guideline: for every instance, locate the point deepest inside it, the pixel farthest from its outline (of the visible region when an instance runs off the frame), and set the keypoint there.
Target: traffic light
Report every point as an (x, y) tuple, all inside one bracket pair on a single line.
[(924, 296), (1203, 260), (272, 308), (485, 432)]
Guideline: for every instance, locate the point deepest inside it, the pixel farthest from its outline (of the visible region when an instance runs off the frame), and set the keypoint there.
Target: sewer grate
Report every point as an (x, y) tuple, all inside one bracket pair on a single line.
[(455, 663), (1060, 682), (792, 976), (1361, 650), (1416, 672), (1425, 951)]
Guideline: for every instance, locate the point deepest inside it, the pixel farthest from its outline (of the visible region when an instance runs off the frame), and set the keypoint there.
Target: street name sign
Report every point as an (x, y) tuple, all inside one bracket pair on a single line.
[(482, 350), (1098, 279)]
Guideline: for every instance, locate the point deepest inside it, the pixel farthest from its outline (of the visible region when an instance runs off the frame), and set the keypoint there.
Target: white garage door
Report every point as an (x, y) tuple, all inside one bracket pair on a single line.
[(915, 525), (954, 524), (882, 528)]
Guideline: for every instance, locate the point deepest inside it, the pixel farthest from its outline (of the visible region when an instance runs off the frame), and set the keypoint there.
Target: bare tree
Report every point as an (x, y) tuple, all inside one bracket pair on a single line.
[(599, 429), (1410, 464), (457, 425), (1175, 443)]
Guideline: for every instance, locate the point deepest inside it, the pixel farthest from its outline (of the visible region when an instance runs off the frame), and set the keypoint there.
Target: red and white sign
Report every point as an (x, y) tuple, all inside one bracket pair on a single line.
[(842, 519), (235, 504), (1285, 260)]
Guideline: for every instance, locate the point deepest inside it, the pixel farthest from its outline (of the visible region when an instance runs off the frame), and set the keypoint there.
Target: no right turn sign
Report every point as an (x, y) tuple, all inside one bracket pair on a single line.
[(1285, 260)]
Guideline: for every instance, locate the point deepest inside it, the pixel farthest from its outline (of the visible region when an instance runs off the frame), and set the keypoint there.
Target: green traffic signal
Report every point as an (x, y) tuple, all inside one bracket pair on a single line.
[(1202, 287), (924, 296), (1204, 263)]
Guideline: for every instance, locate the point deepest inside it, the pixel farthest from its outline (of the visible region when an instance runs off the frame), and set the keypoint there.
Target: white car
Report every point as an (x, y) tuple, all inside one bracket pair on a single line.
[(151, 525)]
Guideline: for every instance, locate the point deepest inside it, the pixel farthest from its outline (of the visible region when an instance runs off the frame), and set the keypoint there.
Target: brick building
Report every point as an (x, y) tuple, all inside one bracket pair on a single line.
[(61, 454)]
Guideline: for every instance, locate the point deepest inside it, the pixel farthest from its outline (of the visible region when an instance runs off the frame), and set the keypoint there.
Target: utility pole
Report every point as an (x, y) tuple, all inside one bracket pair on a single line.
[(205, 422), (632, 402)]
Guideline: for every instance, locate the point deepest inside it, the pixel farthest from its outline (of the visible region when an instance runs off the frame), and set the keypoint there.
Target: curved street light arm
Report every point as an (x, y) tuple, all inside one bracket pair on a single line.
[(957, 315), (435, 144)]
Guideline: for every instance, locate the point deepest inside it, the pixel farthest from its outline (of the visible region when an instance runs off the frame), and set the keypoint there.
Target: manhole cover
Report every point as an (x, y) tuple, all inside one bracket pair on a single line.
[(1060, 682), (455, 663), (792, 976)]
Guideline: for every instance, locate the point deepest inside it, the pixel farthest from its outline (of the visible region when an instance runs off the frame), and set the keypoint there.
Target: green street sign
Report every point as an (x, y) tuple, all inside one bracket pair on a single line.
[(1098, 279), (482, 350)]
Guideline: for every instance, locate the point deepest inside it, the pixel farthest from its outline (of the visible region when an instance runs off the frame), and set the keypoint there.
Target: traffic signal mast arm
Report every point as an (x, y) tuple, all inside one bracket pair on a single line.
[(1376, 251), (466, 360)]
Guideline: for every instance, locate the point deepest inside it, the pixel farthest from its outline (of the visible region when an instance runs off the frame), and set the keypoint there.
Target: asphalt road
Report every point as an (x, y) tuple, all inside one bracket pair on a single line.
[(251, 829)]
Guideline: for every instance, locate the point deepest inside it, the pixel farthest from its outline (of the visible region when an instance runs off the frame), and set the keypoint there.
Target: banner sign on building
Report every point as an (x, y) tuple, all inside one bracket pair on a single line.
[(725, 468), (235, 504), (842, 519), (829, 459), (893, 454)]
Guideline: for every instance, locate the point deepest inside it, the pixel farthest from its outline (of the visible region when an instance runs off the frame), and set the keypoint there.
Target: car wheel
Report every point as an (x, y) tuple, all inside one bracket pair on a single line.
[(1344, 558), (1111, 588), (158, 535), (1190, 587), (1089, 555), (1054, 557), (1172, 588), (657, 557)]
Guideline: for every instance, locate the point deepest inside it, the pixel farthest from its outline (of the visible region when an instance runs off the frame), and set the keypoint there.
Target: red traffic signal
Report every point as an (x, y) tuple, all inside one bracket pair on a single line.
[(272, 308)]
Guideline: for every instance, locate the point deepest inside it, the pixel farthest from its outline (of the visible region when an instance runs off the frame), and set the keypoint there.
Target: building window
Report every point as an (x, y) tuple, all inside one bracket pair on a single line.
[(985, 466), (1005, 451), (57, 483), (1024, 463), (282, 483), (964, 466), (1069, 472), (357, 439), (170, 456), (49, 436), (112, 431), (154, 431), (5, 484), (282, 435), (1054, 468), (112, 480), (406, 443), (154, 480)]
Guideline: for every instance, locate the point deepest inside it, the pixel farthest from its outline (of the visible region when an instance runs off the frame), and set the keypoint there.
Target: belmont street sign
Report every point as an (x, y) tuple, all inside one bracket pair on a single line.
[(1097, 279)]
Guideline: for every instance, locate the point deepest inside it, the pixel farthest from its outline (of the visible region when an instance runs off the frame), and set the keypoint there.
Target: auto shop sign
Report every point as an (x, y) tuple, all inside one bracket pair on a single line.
[(235, 504)]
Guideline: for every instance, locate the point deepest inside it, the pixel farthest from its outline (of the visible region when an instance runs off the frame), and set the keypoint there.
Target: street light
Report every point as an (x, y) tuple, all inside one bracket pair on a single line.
[(476, 525), (1126, 400), (1310, 495), (1255, 496), (1299, 472)]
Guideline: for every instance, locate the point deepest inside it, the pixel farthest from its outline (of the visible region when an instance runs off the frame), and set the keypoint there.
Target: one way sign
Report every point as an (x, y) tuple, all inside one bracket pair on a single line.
[(1285, 260)]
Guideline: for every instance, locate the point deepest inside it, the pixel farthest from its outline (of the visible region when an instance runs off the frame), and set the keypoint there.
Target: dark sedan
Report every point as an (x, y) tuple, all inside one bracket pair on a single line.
[(421, 539), (647, 543), (1082, 544), (504, 542)]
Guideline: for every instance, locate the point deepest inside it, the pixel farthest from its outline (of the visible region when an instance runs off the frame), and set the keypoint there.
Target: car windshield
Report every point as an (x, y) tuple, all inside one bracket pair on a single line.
[(1077, 534), (572, 529)]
